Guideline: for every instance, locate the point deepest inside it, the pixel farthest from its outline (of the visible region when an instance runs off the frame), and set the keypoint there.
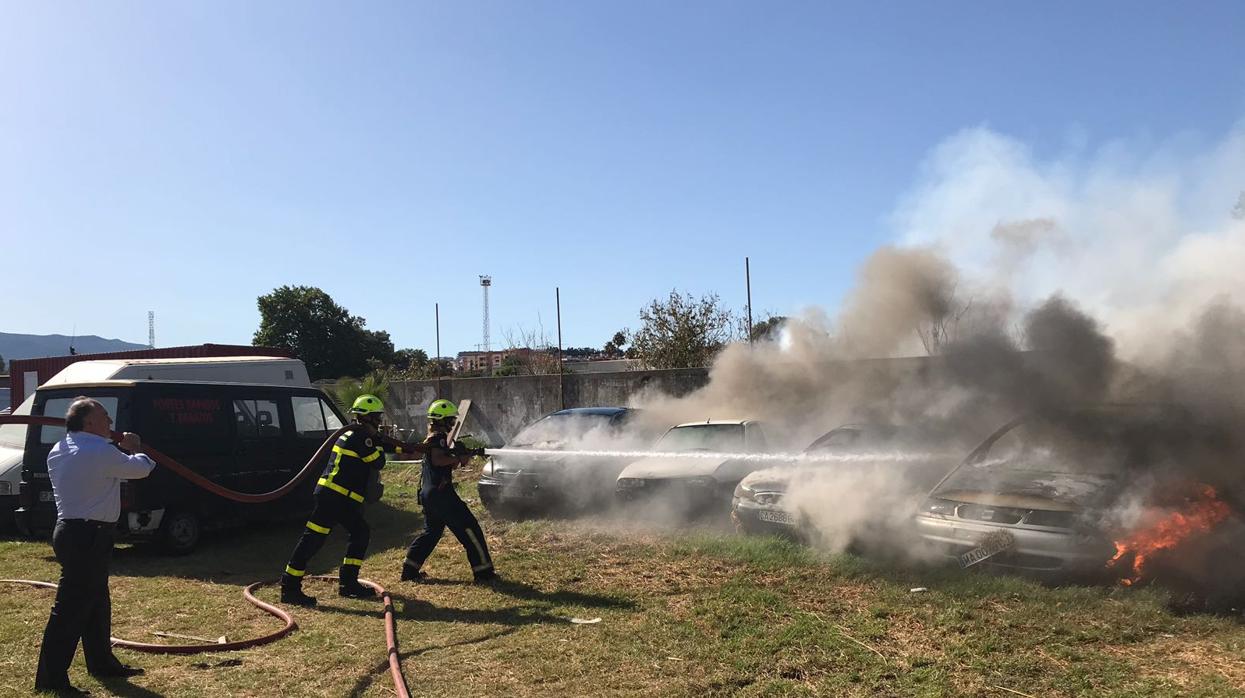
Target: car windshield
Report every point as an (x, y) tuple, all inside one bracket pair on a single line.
[(560, 428), (723, 438), (1086, 446)]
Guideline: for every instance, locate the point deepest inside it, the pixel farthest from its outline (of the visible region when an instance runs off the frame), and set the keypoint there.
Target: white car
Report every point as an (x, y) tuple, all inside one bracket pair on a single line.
[(692, 485)]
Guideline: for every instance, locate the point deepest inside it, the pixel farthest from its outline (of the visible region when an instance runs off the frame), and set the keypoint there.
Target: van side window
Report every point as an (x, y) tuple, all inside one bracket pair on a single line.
[(309, 416), (58, 406), (257, 418)]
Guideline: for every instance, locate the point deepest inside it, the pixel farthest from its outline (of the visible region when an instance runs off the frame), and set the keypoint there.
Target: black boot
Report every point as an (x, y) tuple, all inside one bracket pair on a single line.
[(349, 585), (292, 592), (411, 574)]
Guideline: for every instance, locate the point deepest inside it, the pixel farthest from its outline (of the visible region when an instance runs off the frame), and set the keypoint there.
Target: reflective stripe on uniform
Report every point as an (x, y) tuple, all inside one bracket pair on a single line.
[(318, 528), (344, 451), (324, 482), (479, 548), (337, 460), (293, 572), (353, 561), (374, 456)]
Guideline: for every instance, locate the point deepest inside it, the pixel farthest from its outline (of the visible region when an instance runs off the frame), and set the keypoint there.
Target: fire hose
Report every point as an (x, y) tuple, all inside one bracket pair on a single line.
[(391, 635)]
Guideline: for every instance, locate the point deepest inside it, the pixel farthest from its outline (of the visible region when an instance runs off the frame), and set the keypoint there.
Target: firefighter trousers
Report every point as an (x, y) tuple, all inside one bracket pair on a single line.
[(443, 508), (331, 509)]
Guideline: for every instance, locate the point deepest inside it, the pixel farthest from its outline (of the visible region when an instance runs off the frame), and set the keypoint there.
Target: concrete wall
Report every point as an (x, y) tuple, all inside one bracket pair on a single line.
[(502, 406)]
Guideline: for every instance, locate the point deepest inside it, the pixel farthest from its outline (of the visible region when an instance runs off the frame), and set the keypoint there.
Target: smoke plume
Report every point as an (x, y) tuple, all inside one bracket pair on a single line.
[(1022, 285)]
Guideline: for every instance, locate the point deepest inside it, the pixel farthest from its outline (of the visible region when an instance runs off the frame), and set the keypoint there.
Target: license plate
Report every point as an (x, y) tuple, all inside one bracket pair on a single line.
[(45, 496), (992, 544), (785, 518)]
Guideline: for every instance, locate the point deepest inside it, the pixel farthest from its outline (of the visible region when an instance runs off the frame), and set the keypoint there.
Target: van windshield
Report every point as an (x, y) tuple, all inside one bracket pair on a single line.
[(14, 435)]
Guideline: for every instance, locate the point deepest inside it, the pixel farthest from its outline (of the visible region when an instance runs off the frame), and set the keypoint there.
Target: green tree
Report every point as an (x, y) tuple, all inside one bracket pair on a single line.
[(614, 347), (330, 341), (682, 331), (346, 390), (768, 329)]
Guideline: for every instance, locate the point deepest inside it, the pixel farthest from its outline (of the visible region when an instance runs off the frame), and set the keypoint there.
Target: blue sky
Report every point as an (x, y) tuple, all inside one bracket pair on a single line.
[(188, 157)]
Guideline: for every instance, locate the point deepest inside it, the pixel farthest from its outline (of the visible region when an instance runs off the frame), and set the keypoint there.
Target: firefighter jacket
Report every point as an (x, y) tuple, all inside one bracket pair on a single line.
[(435, 477), (353, 458)]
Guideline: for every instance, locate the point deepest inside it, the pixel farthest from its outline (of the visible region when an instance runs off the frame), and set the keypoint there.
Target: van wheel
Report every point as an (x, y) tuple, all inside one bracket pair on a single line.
[(179, 532)]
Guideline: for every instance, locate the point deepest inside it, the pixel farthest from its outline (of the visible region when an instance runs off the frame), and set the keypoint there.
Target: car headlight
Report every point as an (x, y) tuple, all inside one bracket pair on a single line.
[(488, 467), (742, 491), (939, 507)]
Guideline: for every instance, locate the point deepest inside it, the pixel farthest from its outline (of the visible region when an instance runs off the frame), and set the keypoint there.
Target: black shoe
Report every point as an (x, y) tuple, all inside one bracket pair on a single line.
[(413, 576), (120, 671), (295, 596), (356, 591), (489, 577)]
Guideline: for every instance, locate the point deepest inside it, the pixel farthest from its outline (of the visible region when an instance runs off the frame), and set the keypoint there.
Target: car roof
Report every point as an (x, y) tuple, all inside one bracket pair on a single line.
[(734, 422), (131, 382), (592, 411)]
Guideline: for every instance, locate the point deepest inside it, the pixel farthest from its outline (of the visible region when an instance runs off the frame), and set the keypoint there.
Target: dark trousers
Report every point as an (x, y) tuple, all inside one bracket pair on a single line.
[(331, 509), (83, 609), (442, 508)]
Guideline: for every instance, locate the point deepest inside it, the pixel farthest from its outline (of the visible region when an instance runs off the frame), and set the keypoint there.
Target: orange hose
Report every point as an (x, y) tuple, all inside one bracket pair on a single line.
[(153, 648)]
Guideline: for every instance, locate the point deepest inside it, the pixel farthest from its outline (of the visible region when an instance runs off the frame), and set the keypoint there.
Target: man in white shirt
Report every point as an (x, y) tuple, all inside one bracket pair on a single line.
[(86, 470)]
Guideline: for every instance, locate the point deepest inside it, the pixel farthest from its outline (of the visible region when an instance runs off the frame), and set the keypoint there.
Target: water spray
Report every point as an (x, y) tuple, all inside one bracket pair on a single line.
[(861, 457)]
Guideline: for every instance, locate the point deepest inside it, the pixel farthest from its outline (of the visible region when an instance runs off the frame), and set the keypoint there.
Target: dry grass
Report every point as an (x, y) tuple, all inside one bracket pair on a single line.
[(697, 612)]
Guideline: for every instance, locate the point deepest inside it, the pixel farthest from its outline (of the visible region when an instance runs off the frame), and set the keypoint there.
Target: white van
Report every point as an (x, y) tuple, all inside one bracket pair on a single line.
[(253, 370)]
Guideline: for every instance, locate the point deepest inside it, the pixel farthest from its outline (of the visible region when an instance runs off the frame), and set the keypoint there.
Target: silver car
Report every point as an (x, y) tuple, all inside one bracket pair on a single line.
[(1032, 496)]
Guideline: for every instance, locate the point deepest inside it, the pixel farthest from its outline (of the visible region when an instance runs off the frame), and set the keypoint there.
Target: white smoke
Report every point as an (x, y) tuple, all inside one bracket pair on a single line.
[(1141, 235)]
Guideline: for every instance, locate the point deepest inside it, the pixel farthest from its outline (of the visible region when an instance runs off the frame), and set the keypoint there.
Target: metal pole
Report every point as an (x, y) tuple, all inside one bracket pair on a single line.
[(748, 285), (557, 296), (437, 359)]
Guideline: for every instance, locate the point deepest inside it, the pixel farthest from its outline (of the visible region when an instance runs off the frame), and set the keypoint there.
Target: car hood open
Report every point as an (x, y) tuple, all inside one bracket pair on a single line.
[(1068, 490)]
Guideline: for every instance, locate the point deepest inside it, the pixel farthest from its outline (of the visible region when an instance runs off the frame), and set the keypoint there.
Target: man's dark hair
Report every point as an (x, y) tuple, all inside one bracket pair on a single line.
[(75, 416)]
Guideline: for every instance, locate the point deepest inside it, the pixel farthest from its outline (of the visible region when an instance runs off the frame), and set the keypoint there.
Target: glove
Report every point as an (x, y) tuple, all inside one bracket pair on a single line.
[(460, 450)]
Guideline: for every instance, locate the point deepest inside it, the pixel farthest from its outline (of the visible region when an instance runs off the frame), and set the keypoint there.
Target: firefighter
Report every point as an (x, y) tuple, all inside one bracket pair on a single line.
[(442, 506), (339, 498)]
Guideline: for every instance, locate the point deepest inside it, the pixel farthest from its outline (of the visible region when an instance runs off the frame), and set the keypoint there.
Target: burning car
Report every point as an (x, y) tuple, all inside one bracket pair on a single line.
[(703, 479), (1036, 494), (761, 502), (522, 484)]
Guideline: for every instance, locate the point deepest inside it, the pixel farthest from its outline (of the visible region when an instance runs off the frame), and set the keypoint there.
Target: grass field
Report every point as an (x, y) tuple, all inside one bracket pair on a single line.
[(681, 613)]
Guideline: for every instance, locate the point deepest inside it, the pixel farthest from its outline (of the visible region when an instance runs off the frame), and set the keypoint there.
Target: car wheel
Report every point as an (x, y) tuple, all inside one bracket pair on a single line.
[(179, 532)]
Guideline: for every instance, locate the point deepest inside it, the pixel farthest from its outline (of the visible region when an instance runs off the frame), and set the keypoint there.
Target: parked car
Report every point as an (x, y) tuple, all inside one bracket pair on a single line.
[(12, 444), (692, 485), (519, 484), (1032, 496), (761, 504), (247, 437)]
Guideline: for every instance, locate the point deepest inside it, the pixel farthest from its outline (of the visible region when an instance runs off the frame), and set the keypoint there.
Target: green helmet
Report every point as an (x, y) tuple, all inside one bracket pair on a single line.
[(367, 404), (442, 409)]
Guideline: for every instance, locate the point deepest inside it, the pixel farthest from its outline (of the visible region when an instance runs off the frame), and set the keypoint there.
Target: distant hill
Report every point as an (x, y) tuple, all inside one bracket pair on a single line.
[(33, 346)]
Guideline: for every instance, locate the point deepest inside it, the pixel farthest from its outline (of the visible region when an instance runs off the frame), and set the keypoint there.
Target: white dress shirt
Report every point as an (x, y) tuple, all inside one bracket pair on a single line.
[(86, 471)]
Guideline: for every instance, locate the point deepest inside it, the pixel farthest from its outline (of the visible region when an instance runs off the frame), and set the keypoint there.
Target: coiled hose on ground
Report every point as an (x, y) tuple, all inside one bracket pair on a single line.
[(391, 632)]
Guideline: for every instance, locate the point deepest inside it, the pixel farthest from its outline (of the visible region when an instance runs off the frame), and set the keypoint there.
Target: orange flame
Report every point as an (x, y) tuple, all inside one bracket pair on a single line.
[(1204, 512)]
